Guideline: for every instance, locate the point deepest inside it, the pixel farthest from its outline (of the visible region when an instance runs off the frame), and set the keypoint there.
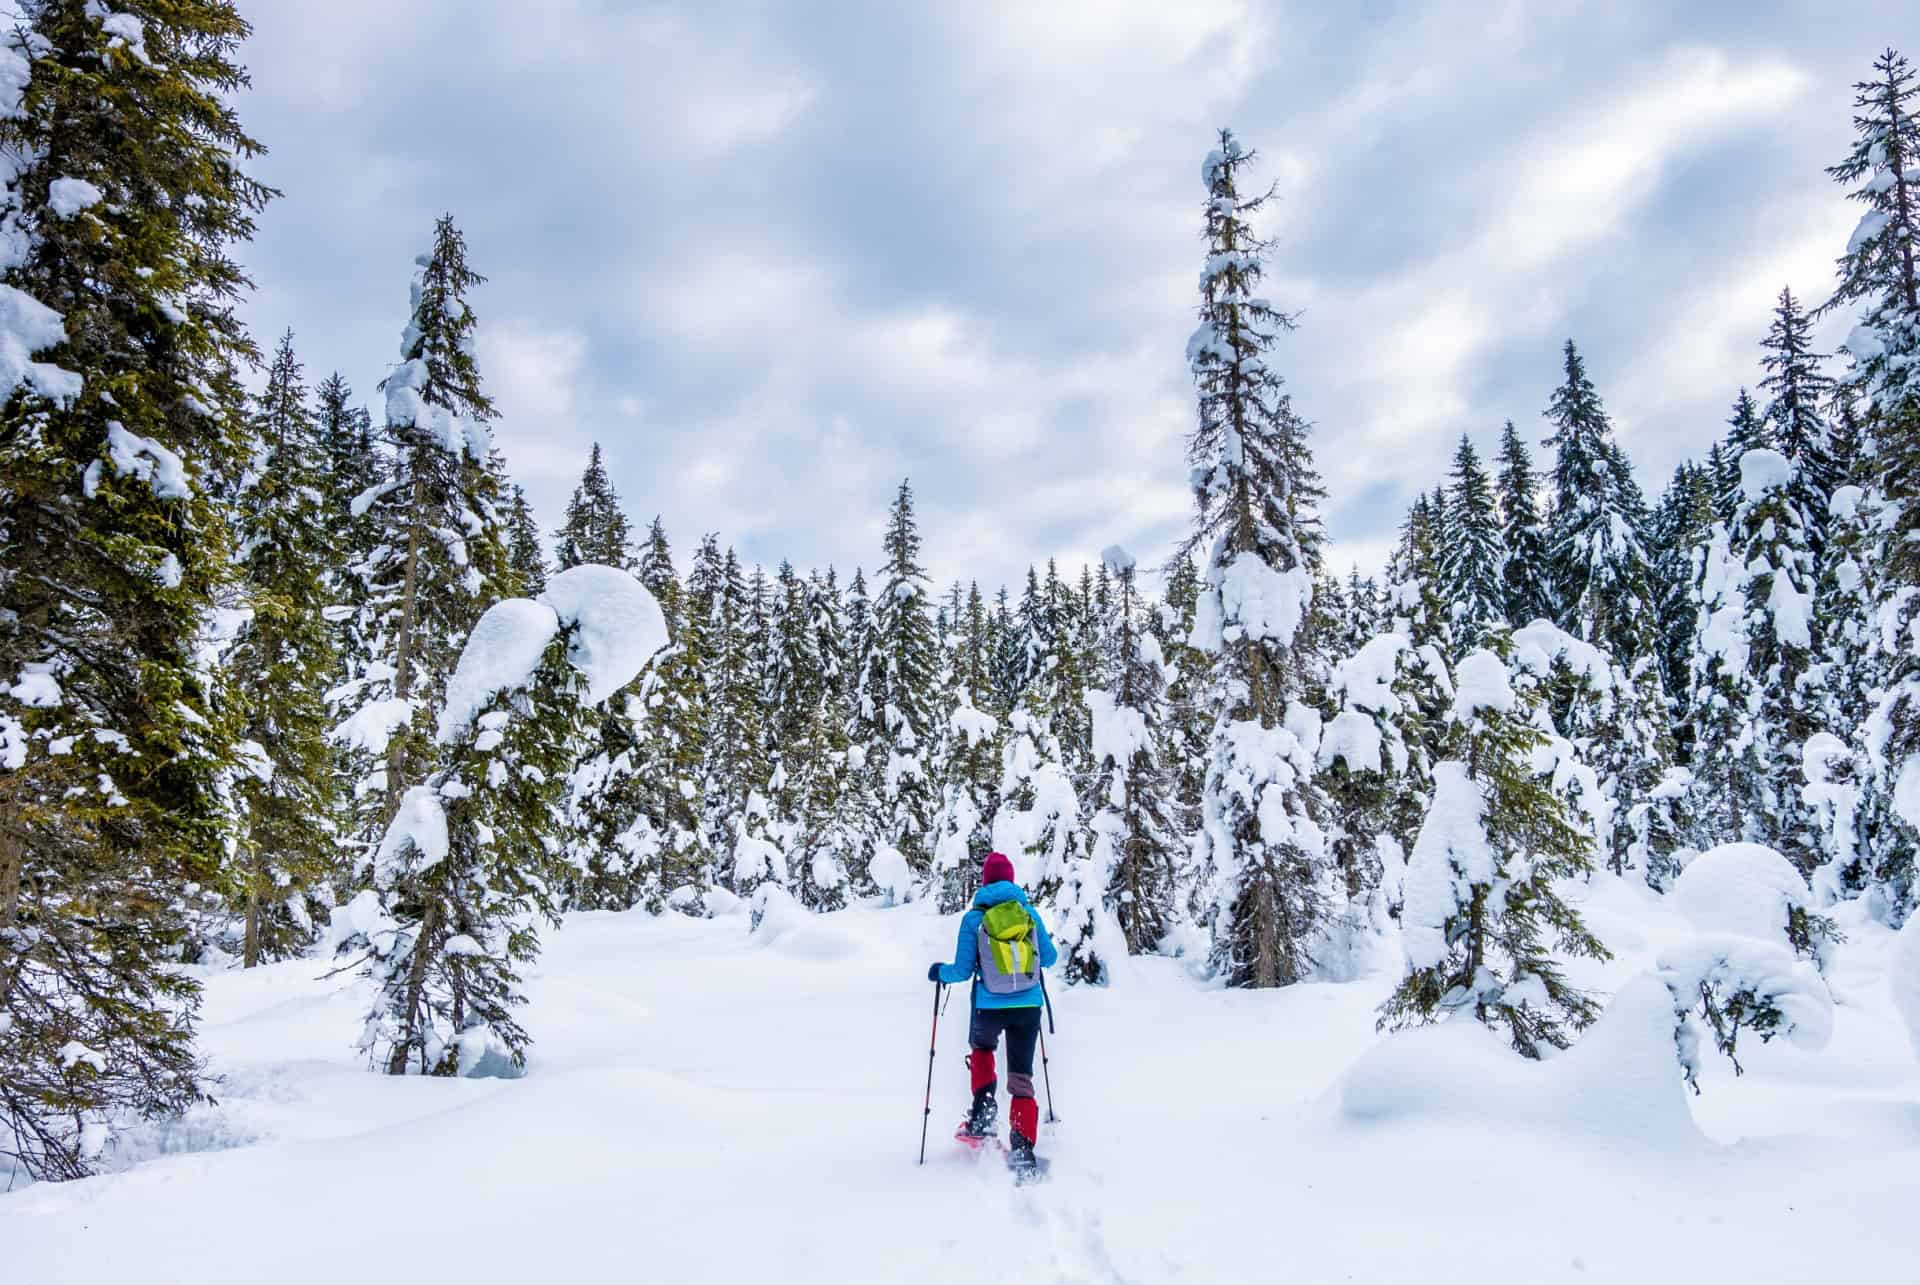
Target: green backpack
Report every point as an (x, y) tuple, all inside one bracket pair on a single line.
[(1009, 960)]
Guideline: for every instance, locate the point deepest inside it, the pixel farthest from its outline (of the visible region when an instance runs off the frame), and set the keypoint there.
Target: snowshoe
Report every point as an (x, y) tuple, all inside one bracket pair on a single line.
[(977, 1140)]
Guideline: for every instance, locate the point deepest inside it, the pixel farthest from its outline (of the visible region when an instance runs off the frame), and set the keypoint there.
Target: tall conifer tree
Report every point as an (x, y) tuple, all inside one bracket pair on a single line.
[(1255, 491), (442, 551), (1472, 562), (127, 192), (1525, 578), (279, 670)]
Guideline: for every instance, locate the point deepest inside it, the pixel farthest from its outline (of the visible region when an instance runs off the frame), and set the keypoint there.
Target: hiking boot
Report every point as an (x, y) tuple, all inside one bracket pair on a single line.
[(984, 1114)]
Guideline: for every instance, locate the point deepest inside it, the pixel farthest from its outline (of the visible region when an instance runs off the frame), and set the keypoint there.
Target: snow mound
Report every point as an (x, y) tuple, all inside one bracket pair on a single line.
[(1481, 683), (1262, 601), (1450, 855), (780, 923), (1903, 979), (67, 197), (890, 873), (1536, 646), (1762, 471), (1352, 737), (617, 625), (1619, 1081), (1118, 732), (371, 727), (1365, 679), (1742, 888), (501, 653), (419, 826)]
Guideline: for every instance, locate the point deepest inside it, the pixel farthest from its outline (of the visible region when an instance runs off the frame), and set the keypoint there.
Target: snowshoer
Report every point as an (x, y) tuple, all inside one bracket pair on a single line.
[(1002, 947)]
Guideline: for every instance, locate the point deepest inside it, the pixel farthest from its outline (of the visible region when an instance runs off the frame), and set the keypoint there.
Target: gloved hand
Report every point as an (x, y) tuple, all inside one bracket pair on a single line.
[(933, 972)]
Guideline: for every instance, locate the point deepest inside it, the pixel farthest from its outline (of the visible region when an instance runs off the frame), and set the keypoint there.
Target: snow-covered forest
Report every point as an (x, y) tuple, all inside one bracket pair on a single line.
[(292, 678)]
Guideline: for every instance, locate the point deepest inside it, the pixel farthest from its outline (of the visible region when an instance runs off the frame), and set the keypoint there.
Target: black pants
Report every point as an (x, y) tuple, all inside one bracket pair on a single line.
[(1022, 1027)]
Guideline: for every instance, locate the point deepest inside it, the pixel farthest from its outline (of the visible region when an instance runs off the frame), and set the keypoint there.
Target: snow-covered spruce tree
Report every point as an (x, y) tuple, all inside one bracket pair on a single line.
[(441, 549), (353, 465), (656, 808), (1039, 822), (1007, 654), (1853, 463), (1797, 391), (1255, 491), (277, 674), (798, 732), (1525, 577), (1752, 705), (1599, 566), (1472, 561), (471, 861), (898, 697), (857, 812), (1376, 764), (1755, 959), (1855, 821), (1063, 675), (1137, 846), (124, 194), (1678, 529), (1747, 430), (1723, 476), (737, 759), (596, 528), (1879, 278), (1189, 725), (816, 847), (1363, 597), (1486, 930), (524, 554), (1617, 732), (969, 761), (1416, 606)]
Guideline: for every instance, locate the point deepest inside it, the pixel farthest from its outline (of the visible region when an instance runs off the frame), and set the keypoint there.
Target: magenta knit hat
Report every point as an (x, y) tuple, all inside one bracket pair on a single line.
[(996, 868)]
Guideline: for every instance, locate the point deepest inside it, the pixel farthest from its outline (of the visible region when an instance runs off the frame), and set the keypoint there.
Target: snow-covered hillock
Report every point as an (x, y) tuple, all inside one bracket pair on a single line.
[(1617, 1081)]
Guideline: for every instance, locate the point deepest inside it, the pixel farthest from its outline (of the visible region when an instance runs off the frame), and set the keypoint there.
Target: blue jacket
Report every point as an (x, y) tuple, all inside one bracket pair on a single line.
[(966, 950)]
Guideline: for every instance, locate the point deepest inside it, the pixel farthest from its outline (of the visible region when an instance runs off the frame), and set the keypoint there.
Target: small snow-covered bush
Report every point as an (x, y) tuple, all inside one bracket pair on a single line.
[(1754, 963)]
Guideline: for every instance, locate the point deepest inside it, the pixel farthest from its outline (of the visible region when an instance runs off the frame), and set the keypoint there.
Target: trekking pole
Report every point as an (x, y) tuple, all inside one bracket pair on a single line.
[(1046, 1072), (1047, 1075), (932, 1040)]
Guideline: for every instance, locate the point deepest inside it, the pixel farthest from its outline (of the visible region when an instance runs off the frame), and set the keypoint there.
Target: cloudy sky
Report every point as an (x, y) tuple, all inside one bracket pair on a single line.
[(776, 257)]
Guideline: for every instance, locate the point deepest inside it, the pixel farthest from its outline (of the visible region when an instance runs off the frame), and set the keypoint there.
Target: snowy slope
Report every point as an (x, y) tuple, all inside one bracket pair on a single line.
[(703, 1105)]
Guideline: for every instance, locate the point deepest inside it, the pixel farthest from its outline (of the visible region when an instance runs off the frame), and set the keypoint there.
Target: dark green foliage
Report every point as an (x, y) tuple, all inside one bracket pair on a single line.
[(464, 925), (596, 528), (1797, 390), (1473, 557), (1525, 576), (112, 459), (896, 709), (1599, 567), (441, 552), (524, 554), (278, 672), (1499, 948)]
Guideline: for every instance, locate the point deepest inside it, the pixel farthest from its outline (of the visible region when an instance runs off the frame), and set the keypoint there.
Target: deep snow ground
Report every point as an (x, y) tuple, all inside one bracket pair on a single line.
[(705, 1105)]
